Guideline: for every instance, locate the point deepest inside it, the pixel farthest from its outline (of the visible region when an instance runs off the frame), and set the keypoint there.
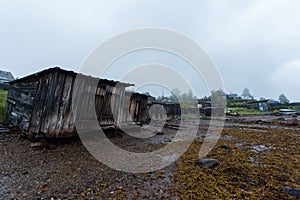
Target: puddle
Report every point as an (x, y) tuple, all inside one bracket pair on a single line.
[(257, 161), (258, 148), (253, 129), (251, 159), (255, 148), (239, 144), (261, 148), (260, 126), (226, 138)]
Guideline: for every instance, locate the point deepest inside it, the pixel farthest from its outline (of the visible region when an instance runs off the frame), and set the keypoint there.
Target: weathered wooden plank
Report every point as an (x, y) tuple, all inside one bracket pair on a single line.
[(50, 110)]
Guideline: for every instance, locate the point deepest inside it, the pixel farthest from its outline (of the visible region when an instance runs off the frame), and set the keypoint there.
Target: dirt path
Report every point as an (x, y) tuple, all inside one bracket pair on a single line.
[(70, 172)]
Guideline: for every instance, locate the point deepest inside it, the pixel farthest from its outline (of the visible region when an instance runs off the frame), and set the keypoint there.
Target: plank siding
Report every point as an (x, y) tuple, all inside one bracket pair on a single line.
[(41, 103)]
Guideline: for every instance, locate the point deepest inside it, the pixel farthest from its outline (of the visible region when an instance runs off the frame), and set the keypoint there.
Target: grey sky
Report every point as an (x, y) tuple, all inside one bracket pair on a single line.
[(254, 44)]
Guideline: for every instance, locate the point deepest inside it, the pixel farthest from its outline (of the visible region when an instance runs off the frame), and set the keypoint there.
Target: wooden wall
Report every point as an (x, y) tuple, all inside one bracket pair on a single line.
[(164, 111), (20, 102), (49, 99), (43, 104)]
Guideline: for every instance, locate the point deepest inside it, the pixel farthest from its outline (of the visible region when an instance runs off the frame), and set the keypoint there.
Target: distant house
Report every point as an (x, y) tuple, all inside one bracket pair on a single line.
[(273, 104), (232, 96), (262, 105), (207, 108), (5, 77), (295, 104)]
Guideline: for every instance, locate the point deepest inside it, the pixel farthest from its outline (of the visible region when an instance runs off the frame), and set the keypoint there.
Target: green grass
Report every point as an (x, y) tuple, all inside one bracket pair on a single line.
[(244, 111), (189, 116), (294, 107), (3, 96)]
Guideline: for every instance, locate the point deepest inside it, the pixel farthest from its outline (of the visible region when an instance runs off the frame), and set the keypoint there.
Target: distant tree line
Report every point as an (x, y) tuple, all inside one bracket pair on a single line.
[(219, 97), (186, 99)]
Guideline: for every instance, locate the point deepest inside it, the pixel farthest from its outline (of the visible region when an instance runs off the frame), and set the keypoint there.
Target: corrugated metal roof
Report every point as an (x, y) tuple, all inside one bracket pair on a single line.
[(4, 75)]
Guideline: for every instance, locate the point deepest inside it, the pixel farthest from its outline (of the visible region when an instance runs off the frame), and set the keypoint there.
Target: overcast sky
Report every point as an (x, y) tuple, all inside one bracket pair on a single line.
[(254, 44)]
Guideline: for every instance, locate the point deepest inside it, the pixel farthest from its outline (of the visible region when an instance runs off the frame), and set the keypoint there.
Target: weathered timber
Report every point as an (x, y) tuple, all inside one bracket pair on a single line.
[(41, 104), (48, 103), (164, 111)]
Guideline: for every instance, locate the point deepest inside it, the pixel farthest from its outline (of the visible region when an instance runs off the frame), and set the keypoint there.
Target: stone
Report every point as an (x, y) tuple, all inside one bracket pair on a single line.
[(207, 162), (36, 144), (292, 191), (167, 140), (225, 146), (291, 121), (159, 132)]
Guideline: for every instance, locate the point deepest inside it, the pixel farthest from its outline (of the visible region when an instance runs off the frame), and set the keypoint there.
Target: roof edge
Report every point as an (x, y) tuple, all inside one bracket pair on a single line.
[(72, 73)]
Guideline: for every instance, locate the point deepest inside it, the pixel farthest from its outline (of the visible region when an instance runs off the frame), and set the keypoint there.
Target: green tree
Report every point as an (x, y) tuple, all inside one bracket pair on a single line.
[(175, 95), (246, 94), (283, 99)]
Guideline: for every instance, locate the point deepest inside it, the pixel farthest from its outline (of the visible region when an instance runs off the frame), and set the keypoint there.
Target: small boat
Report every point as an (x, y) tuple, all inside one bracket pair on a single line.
[(287, 112)]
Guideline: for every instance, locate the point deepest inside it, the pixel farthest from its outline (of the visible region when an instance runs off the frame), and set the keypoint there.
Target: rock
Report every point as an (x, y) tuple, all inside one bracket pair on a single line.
[(36, 144), (292, 191), (167, 140), (290, 122), (207, 162), (253, 183), (159, 132), (225, 146)]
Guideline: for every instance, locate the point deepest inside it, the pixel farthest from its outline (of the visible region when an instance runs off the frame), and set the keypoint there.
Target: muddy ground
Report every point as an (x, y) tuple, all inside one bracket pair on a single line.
[(257, 159)]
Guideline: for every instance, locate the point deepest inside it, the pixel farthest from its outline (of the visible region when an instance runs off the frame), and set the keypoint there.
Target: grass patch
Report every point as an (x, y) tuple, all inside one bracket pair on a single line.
[(244, 111), (189, 116), (3, 96)]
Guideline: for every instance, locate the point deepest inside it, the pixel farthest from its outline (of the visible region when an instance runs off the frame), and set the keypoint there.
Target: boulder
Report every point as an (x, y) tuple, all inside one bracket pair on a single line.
[(292, 191), (207, 162)]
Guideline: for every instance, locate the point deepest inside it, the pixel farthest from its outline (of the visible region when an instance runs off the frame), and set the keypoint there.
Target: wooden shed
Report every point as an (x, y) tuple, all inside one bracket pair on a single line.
[(206, 108), (261, 105), (164, 111), (41, 103), (137, 105)]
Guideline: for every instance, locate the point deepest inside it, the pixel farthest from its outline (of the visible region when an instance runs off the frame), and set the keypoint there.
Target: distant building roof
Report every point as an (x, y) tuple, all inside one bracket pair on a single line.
[(6, 76), (272, 101), (59, 70), (260, 101), (232, 96)]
